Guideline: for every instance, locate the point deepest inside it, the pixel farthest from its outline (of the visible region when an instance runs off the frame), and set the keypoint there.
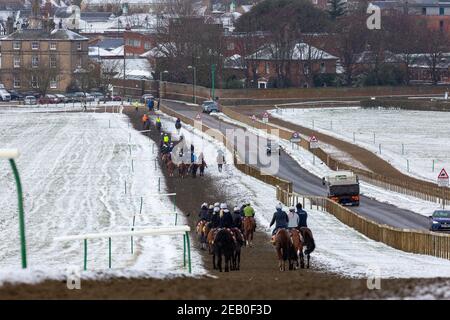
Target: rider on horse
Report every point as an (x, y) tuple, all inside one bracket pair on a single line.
[(237, 218), (204, 214), (303, 216), (226, 220), (280, 219), (215, 219), (293, 218), (249, 212)]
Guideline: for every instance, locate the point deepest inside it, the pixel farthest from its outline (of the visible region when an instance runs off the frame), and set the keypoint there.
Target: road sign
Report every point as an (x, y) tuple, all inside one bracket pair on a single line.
[(198, 117), (295, 137), (443, 179), (313, 142), (265, 117)]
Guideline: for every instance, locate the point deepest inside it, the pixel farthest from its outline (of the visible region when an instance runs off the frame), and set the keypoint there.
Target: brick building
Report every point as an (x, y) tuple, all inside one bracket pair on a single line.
[(139, 42)]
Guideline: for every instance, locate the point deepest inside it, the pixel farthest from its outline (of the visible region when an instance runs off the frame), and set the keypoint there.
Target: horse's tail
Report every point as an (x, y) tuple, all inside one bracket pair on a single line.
[(309, 241)]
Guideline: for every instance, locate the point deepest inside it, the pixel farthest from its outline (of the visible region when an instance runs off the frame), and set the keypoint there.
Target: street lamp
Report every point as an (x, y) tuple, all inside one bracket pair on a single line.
[(213, 78), (124, 65), (194, 69), (159, 83), (11, 154)]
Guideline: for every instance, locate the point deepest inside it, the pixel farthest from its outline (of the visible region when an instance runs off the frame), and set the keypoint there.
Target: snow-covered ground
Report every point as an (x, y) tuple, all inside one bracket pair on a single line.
[(340, 248), (74, 167), (407, 138), (306, 160)]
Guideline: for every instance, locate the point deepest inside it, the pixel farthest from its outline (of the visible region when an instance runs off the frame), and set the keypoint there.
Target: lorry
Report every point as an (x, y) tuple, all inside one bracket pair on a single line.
[(343, 187)]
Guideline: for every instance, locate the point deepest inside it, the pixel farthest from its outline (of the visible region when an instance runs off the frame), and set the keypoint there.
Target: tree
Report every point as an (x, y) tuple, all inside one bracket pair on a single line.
[(336, 8), (435, 46)]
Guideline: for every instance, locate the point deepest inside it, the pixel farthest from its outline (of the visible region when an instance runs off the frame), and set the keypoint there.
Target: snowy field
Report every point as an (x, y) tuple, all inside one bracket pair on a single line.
[(410, 140), (306, 160), (340, 248), (74, 168)]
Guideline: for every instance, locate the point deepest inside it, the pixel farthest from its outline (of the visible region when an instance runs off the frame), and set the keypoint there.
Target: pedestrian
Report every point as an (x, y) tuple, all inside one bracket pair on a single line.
[(302, 215), (220, 160), (150, 104), (144, 121)]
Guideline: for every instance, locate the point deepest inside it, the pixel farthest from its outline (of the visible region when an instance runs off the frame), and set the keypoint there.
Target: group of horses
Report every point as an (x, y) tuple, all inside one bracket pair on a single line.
[(292, 245), (183, 168), (226, 242)]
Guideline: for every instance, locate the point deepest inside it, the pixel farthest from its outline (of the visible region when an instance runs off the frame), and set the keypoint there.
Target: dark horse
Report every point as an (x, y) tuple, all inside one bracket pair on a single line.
[(224, 244), (240, 241), (309, 243), (284, 248)]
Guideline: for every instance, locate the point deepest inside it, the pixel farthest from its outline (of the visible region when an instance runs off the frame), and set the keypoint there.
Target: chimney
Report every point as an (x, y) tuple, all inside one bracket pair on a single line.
[(9, 25)]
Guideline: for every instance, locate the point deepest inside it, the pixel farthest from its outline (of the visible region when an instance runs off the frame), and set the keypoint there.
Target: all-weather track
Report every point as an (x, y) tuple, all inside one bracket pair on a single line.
[(306, 183)]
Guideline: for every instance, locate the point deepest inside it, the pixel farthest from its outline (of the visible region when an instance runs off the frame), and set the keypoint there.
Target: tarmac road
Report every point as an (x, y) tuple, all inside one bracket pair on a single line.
[(306, 183)]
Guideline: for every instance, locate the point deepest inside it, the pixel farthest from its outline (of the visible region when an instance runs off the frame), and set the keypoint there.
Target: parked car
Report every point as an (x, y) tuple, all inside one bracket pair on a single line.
[(48, 99), (37, 95), (440, 220), (98, 96), (88, 97), (4, 94), (78, 96), (210, 106), (16, 95), (146, 97), (60, 98), (116, 98), (30, 100)]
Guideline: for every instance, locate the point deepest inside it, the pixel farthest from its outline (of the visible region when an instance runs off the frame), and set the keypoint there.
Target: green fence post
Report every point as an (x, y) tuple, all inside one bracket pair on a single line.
[(184, 250), (109, 252), (23, 247), (85, 254), (188, 252)]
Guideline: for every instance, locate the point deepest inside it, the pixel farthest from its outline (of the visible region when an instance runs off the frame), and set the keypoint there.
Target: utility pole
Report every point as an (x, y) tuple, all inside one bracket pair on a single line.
[(213, 76), (194, 80)]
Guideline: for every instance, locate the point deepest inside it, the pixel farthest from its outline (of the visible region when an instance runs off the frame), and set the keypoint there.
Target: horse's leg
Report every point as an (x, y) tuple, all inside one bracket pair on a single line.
[(302, 259), (227, 262), (214, 260), (219, 261), (307, 263)]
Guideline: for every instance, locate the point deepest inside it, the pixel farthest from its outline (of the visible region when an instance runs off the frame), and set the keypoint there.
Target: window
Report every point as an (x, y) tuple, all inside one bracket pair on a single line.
[(16, 62), (230, 46), (441, 11), (34, 82), (305, 68), (424, 11), (16, 82), (53, 46), (35, 61), (147, 46), (54, 83), (35, 45), (267, 67), (78, 45), (17, 45), (52, 61), (322, 67)]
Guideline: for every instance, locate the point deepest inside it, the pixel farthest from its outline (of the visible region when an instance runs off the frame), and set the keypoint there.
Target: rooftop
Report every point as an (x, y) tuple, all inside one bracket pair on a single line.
[(40, 34)]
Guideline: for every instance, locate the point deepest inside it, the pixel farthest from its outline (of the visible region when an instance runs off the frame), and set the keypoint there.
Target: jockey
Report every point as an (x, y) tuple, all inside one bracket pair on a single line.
[(237, 218), (204, 212), (223, 206), (210, 211), (178, 124), (226, 220), (303, 216), (215, 219), (250, 212), (280, 219), (293, 218)]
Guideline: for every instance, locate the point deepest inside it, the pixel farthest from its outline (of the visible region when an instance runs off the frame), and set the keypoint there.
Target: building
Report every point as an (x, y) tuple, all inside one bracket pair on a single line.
[(43, 57), (303, 62), (139, 42)]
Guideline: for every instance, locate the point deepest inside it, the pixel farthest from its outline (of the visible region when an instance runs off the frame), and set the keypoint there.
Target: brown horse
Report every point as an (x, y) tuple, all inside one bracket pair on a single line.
[(183, 169), (201, 233), (309, 243), (283, 245), (249, 228), (210, 235), (297, 254), (240, 241), (166, 158), (170, 168)]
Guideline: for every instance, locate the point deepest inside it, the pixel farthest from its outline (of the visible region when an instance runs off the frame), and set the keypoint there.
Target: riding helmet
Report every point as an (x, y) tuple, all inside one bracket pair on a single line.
[(279, 206), (291, 208), (204, 205)]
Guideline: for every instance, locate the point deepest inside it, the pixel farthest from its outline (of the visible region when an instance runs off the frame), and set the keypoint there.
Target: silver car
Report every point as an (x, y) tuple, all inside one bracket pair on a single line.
[(210, 106)]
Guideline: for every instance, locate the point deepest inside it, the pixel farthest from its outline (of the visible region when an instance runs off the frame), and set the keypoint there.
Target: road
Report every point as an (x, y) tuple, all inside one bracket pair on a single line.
[(306, 183)]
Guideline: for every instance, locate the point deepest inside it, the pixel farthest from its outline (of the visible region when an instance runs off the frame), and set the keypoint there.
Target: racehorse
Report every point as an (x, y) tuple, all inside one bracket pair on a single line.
[(283, 246), (249, 229), (297, 253), (224, 245), (201, 233), (182, 169), (240, 241), (210, 235), (170, 168), (309, 243)]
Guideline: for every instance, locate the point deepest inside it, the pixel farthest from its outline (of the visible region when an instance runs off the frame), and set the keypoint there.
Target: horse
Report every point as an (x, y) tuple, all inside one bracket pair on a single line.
[(165, 158), (297, 252), (170, 168), (201, 233), (249, 228), (224, 245), (309, 243), (182, 169), (210, 235), (283, 247), (240, 241)]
